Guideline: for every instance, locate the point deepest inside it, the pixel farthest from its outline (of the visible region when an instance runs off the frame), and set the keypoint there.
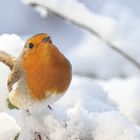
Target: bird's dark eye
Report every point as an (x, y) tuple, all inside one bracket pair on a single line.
[(47, 39), (30, 45)]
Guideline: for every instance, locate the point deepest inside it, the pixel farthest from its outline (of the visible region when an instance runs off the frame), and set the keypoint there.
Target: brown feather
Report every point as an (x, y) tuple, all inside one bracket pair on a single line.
[(14, 75)]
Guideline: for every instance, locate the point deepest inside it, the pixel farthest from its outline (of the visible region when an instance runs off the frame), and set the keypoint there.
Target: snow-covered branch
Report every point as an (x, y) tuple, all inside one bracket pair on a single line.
[(78, 14)]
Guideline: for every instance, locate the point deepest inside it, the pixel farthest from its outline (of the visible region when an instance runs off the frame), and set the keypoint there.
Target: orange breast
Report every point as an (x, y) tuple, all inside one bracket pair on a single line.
[(46, 71)]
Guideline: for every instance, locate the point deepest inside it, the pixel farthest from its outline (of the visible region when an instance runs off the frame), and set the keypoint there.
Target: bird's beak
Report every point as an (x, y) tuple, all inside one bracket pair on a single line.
[(47, 39)]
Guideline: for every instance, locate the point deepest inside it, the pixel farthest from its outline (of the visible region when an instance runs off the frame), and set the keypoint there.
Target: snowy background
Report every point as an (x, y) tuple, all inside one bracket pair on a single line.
[(102, 102)]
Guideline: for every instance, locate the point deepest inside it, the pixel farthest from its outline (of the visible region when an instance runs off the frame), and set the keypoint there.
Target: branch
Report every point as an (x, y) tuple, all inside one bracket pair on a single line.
[(83, 74), (7, 59), (87, 27)]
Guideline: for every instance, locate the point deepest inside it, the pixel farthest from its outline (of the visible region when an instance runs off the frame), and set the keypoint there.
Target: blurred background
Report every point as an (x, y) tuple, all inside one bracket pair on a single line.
[(21, 19)]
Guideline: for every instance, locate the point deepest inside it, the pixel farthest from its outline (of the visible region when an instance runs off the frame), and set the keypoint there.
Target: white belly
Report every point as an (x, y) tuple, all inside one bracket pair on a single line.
[(21, 98)]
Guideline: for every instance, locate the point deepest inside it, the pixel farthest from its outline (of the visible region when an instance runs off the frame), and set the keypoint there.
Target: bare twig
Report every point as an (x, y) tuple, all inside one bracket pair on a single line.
[(91, 30), (7, 59), (83, 74)]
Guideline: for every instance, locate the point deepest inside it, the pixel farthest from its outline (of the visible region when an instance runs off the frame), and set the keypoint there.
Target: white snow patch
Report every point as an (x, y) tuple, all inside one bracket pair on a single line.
[(43, 12), (9, 128), (11, 43), (126, 94), (113, 126)]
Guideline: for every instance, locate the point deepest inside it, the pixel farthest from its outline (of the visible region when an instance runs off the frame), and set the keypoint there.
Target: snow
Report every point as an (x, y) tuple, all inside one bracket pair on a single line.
[(12, 44), (9, 127), (72, 10), (113, 126), (125, 92), (42, 11)]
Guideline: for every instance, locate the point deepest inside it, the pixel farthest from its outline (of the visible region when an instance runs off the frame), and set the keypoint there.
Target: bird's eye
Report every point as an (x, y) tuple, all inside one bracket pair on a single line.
[(30, 45), (47, 39)]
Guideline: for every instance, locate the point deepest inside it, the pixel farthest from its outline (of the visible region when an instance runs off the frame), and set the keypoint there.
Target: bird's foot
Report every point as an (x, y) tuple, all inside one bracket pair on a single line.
[(28, 112), (50, 107), (37, 136)]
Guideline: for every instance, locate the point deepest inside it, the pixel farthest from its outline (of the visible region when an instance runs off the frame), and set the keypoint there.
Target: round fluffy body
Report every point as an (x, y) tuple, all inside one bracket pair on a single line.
[(42, 72)]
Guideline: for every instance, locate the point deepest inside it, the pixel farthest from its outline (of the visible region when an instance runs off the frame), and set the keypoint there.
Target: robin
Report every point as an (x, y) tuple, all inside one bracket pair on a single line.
[(40, 74)]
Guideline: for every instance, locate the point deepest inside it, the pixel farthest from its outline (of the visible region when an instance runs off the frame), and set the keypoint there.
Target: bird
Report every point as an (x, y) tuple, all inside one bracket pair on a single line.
[(41, 73)]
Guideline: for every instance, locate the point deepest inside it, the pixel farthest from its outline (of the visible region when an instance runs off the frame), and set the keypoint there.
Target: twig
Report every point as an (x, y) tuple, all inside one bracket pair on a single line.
[(91, 30), (7, 59), (83, 74)]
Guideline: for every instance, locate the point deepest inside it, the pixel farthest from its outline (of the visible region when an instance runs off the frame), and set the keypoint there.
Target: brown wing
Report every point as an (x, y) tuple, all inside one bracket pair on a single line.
[(14, 76)]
